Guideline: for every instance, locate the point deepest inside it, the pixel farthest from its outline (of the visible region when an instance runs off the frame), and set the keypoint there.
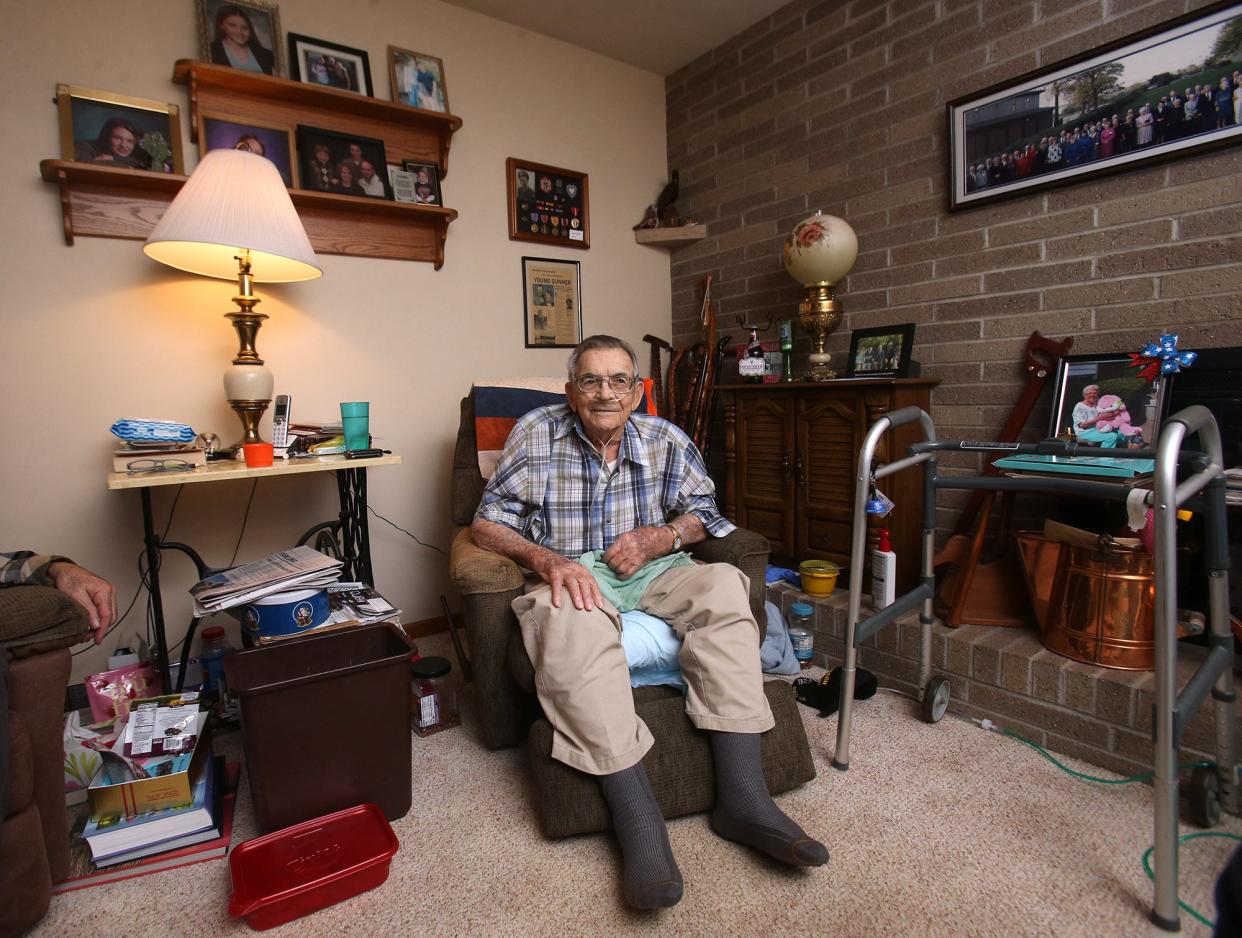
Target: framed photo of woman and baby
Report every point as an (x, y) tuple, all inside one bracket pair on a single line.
[(1100, 400)]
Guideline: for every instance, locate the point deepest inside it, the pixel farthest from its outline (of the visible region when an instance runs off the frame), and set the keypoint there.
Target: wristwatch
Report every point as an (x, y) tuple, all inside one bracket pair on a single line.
[(676, 537)]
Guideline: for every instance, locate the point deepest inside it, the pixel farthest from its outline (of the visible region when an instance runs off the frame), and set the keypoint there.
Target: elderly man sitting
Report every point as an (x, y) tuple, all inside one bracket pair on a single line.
[(598, 501)]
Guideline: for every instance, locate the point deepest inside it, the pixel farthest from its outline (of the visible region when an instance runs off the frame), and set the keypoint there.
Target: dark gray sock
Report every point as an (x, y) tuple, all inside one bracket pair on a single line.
[(745, 811), (650, 878)]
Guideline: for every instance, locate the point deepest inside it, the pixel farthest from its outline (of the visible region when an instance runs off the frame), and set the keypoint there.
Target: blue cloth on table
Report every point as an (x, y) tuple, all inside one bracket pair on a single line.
[(778, 574)]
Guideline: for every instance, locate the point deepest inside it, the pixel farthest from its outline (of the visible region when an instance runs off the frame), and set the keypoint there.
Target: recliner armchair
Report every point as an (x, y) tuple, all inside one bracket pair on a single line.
[(679, 765)]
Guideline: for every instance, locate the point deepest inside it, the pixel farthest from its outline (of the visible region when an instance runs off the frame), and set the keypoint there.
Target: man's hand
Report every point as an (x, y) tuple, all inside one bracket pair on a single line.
[(93, 593), (571, 576), (631, 550)]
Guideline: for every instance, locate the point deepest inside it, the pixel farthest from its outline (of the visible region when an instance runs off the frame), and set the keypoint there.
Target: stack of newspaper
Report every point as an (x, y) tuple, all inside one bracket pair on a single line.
[(302, 567)]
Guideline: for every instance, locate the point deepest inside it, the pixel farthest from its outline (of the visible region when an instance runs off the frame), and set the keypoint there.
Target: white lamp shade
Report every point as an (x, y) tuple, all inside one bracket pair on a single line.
[(234, 201)]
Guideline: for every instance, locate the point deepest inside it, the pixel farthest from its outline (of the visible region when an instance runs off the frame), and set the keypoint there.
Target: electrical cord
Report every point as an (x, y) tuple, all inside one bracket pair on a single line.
[(1186, 838), (246, 517), (407, 533)]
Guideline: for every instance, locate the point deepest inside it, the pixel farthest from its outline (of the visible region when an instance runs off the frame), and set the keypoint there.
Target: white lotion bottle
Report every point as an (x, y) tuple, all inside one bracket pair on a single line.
[(883, 572)]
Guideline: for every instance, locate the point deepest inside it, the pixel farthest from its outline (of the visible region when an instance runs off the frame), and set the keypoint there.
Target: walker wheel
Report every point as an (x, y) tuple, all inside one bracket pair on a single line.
[(935, 699), (1203, 797)]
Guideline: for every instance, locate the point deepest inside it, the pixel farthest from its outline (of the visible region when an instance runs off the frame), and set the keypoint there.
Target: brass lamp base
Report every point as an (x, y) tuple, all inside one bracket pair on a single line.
[(248, 383), (249, 413), (818, 315)]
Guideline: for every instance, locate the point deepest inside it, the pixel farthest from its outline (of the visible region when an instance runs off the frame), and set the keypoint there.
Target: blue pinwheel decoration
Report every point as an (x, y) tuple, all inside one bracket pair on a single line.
[(1161, 357)]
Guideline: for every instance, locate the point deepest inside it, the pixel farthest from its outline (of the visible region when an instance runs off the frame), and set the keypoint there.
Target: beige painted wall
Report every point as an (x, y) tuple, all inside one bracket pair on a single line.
[(97, 331)]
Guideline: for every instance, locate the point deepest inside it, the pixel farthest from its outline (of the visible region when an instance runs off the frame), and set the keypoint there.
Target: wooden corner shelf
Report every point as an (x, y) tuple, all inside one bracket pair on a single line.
[(111, 202), (407, 132), (671, 237)]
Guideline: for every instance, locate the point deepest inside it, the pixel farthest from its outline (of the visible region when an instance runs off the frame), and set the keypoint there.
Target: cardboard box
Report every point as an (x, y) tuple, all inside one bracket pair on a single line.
[(171, 784), (83, 740)]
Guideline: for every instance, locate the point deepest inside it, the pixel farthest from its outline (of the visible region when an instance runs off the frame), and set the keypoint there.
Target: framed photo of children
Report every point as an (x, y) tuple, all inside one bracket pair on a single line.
[(425, 181), (417, 80), (343, 163), (1102, 401), (881, 352), (274, 141), (319, 62), (1160, 94), (242, 34), (547, 204), (552, 292), (118, 130)]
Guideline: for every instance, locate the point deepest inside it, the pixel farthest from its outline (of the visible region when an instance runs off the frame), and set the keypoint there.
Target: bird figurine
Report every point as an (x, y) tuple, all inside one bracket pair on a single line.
[(650, 218), (666, 211)]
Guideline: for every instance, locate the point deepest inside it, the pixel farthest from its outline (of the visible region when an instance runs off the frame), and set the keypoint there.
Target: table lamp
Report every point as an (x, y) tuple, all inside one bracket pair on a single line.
[(234, 218), (818, 254)]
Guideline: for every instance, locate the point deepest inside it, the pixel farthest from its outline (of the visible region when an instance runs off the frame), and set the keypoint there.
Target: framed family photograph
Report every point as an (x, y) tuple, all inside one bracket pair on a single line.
[(342, 163), (1160, 94), (274, 141), (552, 291), (881, 352), (547, 204), (417, 80), (1101, 400), (241, 34), (118, 130), (319, 62), (426, 182)]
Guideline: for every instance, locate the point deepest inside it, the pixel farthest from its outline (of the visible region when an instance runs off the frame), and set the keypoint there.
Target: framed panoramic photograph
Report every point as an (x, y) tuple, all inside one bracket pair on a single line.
[(118, 130), (547, 204), (417, 80), (881, 352), (426, 182), (226, 132), (1101, 400), (1156, 95), (552, 291), (343, 163), (319, 62), (241, 34)]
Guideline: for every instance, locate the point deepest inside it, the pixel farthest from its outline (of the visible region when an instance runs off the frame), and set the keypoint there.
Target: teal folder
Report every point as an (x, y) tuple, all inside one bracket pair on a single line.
[(1105, 466)]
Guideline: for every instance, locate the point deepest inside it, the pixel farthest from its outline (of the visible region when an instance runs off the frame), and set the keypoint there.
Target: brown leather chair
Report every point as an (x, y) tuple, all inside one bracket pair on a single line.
[(37, 626), (680, 764)]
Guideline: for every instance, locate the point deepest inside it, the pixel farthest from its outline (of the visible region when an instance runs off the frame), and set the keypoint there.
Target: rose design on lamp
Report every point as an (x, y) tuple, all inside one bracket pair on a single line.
[(818, 254)]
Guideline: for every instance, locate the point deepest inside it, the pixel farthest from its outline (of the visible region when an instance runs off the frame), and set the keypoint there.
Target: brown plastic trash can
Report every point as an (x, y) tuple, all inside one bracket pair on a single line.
[(325, 724)]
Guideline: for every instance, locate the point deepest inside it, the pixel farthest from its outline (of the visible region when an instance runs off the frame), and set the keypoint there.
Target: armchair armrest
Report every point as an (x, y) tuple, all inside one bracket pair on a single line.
[(747, 551), (475, 569)]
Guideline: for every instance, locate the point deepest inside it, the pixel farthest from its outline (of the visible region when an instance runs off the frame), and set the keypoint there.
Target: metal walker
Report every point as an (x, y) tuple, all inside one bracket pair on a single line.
[(1202, 489)]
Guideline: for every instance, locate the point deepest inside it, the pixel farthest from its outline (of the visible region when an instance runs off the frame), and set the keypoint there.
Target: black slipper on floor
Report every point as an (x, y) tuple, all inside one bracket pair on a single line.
[(825, 695)]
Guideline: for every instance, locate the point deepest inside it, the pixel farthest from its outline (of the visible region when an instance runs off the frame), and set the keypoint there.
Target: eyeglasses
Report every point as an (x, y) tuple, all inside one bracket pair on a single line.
[(156, 465), (590, 384)]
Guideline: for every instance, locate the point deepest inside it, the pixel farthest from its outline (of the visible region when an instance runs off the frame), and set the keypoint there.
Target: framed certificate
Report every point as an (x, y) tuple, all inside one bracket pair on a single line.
[(552, 292)]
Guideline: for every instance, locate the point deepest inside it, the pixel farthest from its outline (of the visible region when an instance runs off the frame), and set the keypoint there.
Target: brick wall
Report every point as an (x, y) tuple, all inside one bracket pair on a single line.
[(840, 106)]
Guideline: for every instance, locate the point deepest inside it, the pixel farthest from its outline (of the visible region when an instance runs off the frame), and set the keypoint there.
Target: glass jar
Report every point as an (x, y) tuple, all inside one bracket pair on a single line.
[(802, 632), (433, 700)]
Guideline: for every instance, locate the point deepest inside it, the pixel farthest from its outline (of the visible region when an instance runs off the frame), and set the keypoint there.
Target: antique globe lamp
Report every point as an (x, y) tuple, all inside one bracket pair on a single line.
[(818, 254)]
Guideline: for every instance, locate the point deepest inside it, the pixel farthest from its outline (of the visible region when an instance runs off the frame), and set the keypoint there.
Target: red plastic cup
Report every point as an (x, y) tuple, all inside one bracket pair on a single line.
[(258, 455)]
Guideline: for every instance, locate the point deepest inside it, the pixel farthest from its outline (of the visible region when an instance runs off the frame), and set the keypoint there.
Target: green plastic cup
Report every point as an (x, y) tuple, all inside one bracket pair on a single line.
[(355, 423)]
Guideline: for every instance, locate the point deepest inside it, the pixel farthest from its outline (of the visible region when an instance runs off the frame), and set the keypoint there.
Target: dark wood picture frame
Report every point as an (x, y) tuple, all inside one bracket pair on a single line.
[(553, 207), (552, 300), (1020, 111), (338, 144), (433, 180), (881, 351), (359, 59), (1114, 376)]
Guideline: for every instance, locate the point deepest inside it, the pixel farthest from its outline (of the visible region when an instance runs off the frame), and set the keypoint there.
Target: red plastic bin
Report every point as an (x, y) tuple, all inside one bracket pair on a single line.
[(307, 867)]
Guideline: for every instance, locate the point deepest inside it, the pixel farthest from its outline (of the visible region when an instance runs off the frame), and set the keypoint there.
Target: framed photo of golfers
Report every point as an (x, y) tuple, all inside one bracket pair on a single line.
[(552, 291), (1160, 94), (547, 204), (881, 352)]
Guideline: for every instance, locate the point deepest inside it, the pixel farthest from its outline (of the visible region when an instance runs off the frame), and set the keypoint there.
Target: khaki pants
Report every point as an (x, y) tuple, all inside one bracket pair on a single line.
[(583, 681)]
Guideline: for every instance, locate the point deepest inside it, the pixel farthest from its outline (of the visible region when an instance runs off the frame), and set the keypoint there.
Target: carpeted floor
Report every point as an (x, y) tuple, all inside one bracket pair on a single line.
[(935, 830)]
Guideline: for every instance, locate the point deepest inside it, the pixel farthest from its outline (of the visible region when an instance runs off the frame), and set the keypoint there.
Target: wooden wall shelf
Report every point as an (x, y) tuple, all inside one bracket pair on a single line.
[(407, 132), (111, 202), (671, 237)]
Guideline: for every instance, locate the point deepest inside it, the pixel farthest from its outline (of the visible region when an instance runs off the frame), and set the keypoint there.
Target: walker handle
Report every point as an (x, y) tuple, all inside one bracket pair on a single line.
[(905, 415)]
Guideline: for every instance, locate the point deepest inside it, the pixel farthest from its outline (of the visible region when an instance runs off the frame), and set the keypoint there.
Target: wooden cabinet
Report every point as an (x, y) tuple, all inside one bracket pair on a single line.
[(791, 452)]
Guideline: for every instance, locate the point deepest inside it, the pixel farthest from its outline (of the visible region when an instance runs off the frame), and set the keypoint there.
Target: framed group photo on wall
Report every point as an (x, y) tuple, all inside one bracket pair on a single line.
[(274, 141), (1101, 400), (346, 164), (243, 34), (1161, 94), (118, 130), (319, 62), (552, 297), (881, 352), (547, 204)]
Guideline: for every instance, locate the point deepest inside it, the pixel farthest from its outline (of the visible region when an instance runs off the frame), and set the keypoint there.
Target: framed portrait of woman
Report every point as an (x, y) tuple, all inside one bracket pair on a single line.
[(228, 132), (242, 34), (1102, 401), (119, 130)]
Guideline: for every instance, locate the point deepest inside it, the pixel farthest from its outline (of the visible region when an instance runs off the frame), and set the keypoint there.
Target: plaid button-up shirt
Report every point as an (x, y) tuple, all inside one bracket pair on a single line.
[(552, 487), (25, 567)]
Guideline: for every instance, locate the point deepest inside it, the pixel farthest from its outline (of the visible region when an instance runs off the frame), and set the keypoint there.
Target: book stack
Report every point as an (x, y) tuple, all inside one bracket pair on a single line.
[(132, 453)]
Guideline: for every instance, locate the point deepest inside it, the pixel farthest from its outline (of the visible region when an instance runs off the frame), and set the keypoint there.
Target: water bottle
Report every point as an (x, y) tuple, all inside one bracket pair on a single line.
[(802, 632), (215, 646)]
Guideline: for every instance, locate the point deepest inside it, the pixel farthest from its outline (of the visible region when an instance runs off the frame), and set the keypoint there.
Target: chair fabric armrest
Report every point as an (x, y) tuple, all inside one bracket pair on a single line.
[(747, 551), (475, 569)]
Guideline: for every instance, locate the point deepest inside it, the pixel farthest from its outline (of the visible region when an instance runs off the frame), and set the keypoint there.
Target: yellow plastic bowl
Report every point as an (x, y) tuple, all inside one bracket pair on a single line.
[(819, 577)]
